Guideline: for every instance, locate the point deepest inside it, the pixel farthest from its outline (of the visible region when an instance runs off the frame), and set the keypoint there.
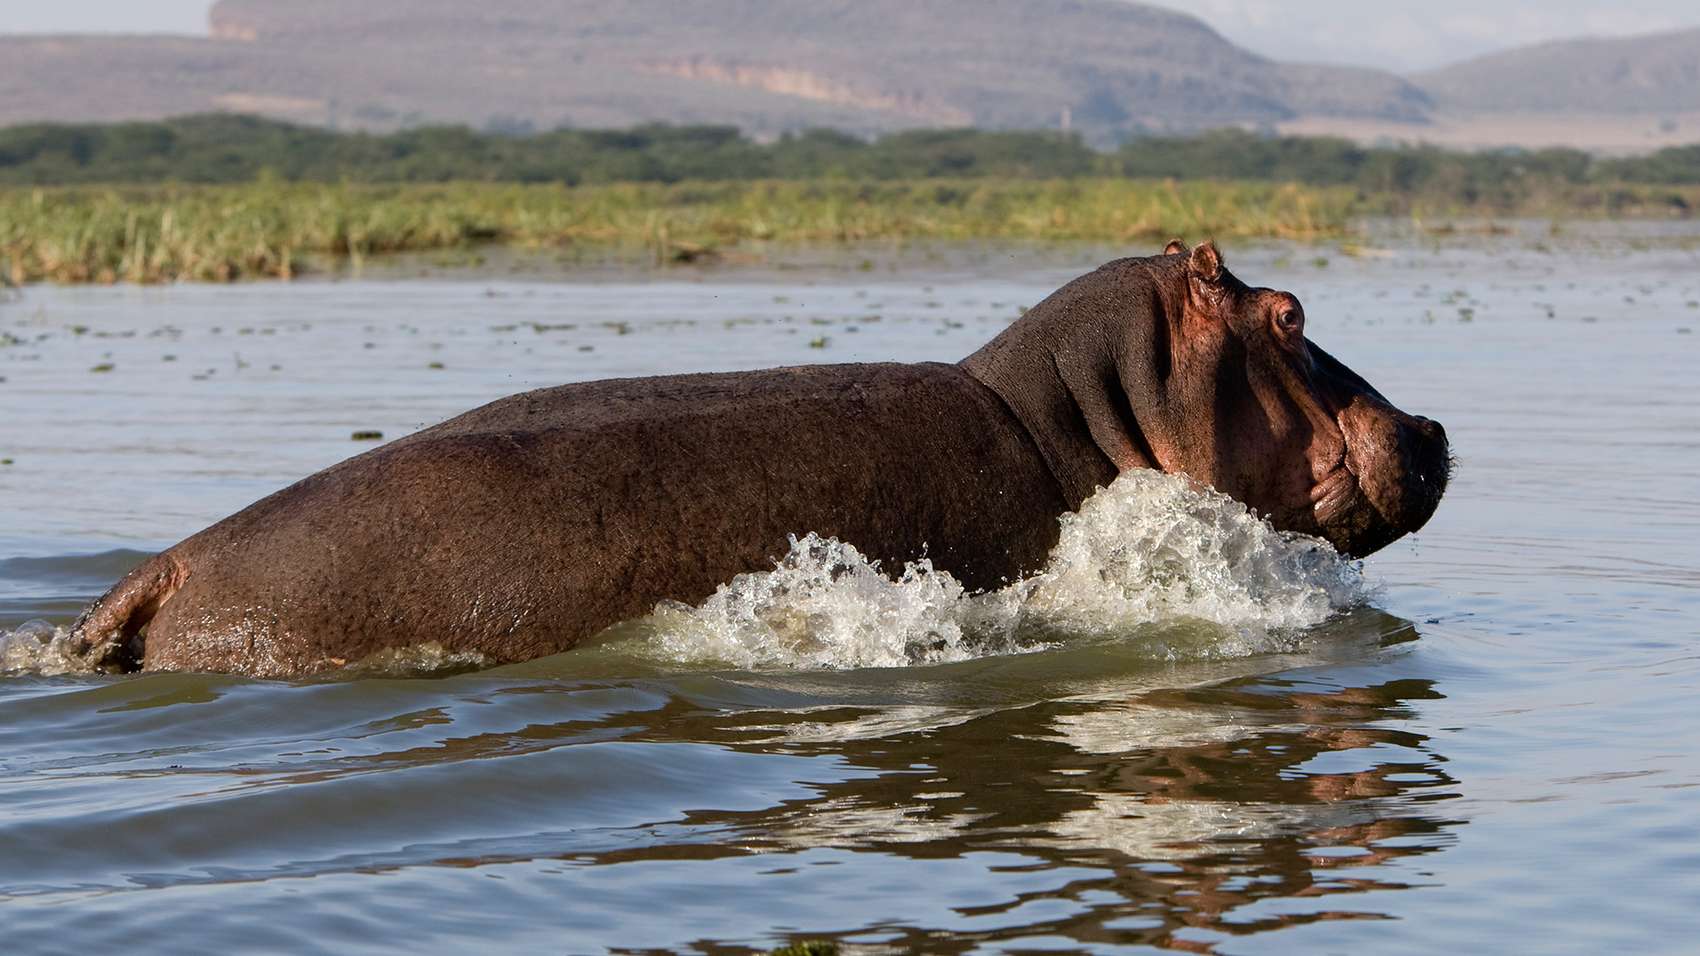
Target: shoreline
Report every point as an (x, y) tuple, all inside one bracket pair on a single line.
[(148, 236), (877, 261)]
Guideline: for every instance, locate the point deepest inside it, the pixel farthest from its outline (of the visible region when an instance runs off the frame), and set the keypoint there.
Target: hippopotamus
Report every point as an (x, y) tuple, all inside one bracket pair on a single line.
[(527, 526)]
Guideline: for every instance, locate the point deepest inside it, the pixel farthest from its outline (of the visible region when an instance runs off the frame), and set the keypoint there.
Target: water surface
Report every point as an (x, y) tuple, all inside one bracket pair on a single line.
[(1492, 748)]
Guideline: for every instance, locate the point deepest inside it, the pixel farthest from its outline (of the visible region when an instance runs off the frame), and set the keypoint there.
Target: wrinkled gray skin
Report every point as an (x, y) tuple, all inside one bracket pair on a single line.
[(522, 528)]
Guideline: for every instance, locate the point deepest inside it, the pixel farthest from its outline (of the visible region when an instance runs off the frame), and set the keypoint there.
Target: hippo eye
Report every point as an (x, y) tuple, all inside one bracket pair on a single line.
[(1290, 322)]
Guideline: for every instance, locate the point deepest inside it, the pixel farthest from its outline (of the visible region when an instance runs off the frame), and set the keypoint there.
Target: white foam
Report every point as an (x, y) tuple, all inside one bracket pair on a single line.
[(40, 648), (1153, 548), (825, 605), (1184, 572)]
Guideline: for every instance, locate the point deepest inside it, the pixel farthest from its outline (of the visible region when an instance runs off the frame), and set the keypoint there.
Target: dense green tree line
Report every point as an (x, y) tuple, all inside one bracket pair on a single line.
[(236, 149)]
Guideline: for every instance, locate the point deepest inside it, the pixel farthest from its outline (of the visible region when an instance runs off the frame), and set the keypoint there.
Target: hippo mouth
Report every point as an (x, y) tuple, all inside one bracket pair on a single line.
[(1386, 482), (1336, 494)]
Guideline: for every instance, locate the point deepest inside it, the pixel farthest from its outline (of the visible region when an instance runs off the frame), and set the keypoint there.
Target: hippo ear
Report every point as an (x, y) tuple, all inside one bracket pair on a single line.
[(1174, 248), (1205, 263)]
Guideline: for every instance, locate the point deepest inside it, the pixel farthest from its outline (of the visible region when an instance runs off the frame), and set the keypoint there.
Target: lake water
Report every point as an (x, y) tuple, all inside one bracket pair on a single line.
[(1488, 742)]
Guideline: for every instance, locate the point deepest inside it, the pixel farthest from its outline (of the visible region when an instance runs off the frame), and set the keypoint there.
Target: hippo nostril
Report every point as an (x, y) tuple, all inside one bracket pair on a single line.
[(1432, 458), (1431, 429)]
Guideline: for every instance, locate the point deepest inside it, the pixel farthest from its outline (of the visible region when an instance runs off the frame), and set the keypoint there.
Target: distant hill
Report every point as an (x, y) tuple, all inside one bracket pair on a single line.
[(1655, 73), (1104, 67)]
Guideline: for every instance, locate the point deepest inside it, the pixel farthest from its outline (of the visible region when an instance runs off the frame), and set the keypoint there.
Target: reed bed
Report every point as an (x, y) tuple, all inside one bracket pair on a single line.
[(279, 230)]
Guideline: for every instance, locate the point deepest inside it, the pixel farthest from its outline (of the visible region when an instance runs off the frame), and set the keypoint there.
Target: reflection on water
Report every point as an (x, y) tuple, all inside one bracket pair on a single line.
[(1097, 795), (1167, 808)]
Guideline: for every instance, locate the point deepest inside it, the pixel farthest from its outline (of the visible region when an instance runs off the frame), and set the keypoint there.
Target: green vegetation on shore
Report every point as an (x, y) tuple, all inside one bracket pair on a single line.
[(280, 230), (275, 229), (238, 149), (223, 197)]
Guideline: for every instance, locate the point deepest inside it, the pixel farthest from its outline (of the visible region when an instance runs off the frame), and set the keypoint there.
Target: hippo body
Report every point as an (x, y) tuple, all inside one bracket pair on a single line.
[(523, 527)]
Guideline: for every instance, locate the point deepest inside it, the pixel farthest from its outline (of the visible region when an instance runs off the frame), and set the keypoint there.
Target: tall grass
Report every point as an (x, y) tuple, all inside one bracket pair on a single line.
[(277, 230), (221, 233)]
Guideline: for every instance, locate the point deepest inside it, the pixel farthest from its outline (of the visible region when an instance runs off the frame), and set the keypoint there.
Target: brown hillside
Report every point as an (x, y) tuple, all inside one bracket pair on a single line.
[(1103, 66), (1652, 73)]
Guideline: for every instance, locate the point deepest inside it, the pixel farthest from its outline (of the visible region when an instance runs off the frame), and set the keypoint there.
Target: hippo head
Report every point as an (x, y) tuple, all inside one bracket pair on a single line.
[(1173, 363), (1252, 407)]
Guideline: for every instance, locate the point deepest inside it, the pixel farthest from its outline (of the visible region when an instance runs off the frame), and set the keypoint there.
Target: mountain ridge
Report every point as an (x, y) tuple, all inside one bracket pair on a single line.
[(1105, 68), (1645, 73)]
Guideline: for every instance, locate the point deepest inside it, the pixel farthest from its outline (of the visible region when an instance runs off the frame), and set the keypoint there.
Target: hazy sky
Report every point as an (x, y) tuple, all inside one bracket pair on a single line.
[(110, 16), (1395, 34)]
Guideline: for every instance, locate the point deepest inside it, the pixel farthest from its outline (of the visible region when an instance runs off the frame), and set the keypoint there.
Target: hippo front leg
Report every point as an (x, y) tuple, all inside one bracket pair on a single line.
[(110, 634)]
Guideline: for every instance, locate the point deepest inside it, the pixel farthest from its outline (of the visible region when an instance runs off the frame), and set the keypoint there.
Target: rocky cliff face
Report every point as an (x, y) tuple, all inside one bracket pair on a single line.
[(1104, 67)]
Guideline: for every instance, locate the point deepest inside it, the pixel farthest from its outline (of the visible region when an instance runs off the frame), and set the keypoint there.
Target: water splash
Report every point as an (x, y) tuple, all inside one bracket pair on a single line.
[(825, 605), (1187, 573), (39, 648), (431, 659), (1154, 548)]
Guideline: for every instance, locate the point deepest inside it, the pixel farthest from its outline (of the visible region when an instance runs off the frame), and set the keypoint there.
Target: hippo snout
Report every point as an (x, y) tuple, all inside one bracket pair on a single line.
[(1428, 465), (1401, 464)]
